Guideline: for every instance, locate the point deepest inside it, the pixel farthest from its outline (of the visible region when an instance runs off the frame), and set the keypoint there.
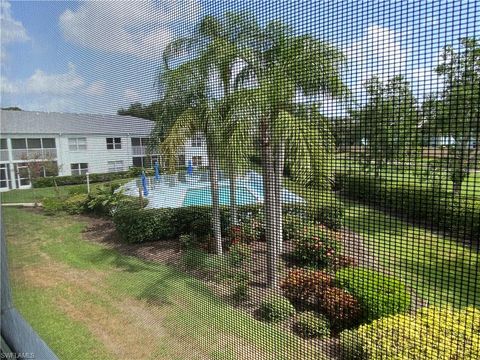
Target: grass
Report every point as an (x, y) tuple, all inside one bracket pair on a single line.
[(438, 268), (87, 301), (33, 195)]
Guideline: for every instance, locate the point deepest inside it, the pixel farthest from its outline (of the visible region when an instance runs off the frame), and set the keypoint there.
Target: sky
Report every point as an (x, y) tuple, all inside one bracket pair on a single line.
[(96, 57)]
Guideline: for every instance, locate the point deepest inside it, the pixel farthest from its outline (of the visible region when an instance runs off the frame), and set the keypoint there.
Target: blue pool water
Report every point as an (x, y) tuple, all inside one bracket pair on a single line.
[(203, 196)]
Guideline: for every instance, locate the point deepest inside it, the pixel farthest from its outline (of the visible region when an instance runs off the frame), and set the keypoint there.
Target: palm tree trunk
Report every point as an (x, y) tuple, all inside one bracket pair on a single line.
[(216, 225), (279, 165), (269, 204), (233, 194)]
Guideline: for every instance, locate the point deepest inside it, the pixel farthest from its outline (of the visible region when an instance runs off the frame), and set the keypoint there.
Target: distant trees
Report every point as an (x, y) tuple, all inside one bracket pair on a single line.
[(456, 111), (388, 122), (12, 108)]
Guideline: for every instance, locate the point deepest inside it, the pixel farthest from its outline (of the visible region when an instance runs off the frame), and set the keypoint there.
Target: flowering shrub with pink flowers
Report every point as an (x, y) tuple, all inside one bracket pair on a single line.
[(316, 247)]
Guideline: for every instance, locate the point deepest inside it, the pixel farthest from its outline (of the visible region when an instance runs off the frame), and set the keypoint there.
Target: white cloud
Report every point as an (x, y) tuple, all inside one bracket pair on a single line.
[(55, 84), (96, 88), (12, 30), (140, 28), (131, 95), (377, 53)]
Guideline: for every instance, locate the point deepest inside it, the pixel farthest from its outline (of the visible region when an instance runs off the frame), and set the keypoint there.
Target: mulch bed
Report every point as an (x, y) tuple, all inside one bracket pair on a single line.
[(101, 230)]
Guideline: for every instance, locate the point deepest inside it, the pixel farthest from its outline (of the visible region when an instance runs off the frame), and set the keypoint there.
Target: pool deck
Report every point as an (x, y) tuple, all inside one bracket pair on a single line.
[(171, 193)]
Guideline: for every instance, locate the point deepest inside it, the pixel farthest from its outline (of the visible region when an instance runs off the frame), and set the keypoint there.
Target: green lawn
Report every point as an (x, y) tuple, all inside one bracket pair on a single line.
[(89, 302), (439, 269), (32, 195)]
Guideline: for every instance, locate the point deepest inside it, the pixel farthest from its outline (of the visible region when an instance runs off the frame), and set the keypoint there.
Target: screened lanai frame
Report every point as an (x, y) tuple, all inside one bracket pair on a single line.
[(344, 133)]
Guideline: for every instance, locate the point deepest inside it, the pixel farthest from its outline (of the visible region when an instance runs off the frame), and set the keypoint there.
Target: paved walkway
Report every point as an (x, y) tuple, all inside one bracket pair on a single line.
[(22, 204)]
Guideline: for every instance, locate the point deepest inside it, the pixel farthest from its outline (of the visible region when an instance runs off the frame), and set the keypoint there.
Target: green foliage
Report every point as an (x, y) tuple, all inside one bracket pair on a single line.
[(238, 254), (276, 308), (292, 225), (41, 182), (458, 215), (194, 259), (137, 226), (431, 333), (105, 199), (379, 295), (53, 205), (312, 325), (75, 204), (351, 346), (316, 247), (388, 122)]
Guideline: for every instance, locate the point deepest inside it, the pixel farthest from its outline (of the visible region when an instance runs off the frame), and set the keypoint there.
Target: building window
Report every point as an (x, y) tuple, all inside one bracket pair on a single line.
[(197, 141), (79, 168), (114, 143), (48, 143), (76, 144), (19, 143), (196, 160), (115, 166)]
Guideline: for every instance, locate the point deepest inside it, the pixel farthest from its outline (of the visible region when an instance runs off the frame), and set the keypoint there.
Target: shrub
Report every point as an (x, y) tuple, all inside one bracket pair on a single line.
[(194, 259), (105, 199), (136, 226), (292, 226), (431, 333), (351, 346), (457, 215), (379, 295), (305, 285), (42, 182), (238, 254), (311, 324), (53, 205), (343, 261), (316, 247), (75, 204), (276, 308), (240, 291), (252, 229), (340, 307)]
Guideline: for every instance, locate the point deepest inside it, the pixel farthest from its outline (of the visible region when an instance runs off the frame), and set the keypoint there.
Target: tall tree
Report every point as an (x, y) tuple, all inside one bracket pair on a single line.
[(460, 113), (284, 67), (389, 121)]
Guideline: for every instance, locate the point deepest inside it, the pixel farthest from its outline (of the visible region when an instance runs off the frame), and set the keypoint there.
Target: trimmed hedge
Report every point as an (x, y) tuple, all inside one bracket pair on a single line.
[(276, 308), (141, 225), (79, 179), (431, 333), (456, 215), (379, 295)]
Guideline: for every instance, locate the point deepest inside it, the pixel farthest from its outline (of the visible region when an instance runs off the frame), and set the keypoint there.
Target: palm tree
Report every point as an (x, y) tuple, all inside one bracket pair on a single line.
[(286, 67), (212, 50)]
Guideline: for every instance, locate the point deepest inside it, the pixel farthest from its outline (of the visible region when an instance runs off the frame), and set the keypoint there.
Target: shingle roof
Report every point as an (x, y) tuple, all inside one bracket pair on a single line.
[(33, 122)]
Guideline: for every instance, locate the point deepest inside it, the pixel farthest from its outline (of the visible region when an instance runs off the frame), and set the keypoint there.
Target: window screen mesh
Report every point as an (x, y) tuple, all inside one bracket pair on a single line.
[(243, 180)]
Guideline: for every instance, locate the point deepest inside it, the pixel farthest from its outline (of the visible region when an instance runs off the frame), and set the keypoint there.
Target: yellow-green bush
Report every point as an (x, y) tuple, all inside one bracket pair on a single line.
[(432, 333)]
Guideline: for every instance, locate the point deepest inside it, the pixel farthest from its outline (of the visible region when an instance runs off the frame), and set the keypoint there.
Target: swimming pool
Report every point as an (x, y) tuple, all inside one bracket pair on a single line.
[(203, 196), (177, 190)]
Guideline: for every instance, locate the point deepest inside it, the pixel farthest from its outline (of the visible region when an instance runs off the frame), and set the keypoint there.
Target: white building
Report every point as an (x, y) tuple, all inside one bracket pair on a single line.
[(78, 143)]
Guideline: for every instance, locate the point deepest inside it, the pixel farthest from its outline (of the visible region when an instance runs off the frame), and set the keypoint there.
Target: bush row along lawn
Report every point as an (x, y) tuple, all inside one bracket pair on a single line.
[(88, 302), (410, 174), (32, 195), (439, 269)]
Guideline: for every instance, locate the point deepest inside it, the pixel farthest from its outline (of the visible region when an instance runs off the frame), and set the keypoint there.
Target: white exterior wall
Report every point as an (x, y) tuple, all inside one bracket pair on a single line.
[(191, 151), (96, 155)]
